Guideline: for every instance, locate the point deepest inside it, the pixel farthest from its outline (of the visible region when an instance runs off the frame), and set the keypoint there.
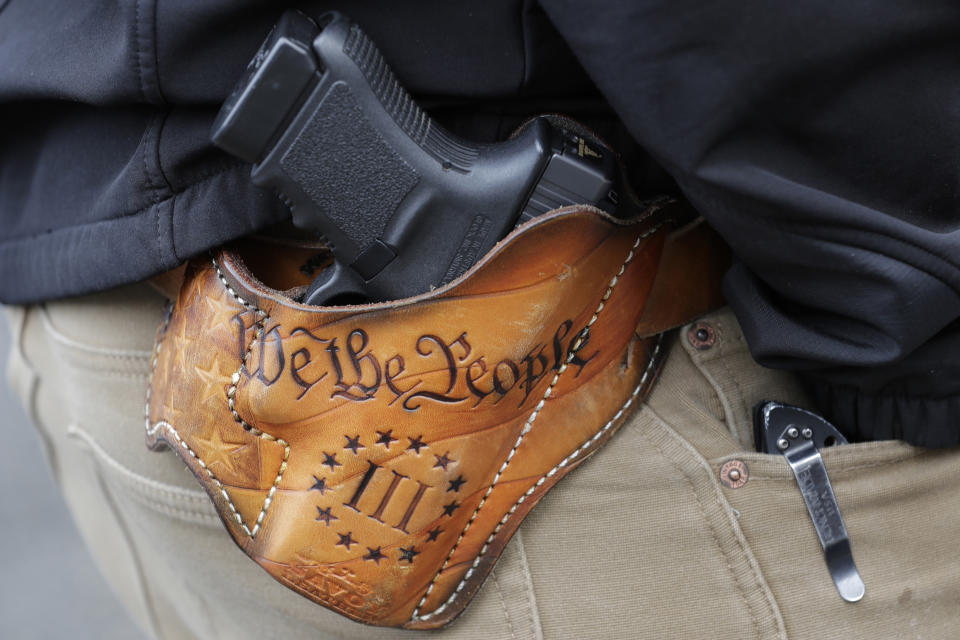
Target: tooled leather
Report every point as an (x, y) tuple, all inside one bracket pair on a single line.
[(377, 459)]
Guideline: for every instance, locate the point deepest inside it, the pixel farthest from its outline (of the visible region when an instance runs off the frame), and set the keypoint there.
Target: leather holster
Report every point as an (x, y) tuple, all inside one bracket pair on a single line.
[(378, 458)]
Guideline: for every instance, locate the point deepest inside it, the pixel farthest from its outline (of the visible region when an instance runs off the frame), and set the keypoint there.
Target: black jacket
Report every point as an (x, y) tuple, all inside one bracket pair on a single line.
[(821, 139)]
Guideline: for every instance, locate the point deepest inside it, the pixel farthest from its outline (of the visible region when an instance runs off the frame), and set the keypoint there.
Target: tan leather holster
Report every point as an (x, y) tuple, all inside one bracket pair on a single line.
[(377, 458)]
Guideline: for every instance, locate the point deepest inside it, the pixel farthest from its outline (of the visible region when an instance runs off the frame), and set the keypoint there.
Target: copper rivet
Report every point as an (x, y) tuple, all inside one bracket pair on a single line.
[(733, 474), (701, 336)]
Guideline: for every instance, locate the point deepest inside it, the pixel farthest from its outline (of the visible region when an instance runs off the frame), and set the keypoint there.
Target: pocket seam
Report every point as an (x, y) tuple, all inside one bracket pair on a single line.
[(186, 504)]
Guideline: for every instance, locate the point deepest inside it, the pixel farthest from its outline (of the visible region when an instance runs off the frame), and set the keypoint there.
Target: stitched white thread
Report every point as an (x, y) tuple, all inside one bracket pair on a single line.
[(262, 317), (563, 463), (231, 393), (575, 346)]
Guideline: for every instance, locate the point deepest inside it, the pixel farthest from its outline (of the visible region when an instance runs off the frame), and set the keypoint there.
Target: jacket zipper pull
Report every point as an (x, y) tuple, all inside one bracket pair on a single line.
[(799, 435)]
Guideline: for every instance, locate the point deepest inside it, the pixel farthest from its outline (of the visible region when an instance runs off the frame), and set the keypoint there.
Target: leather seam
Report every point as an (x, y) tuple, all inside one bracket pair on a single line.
[(163, 424), (231, 393), (523, 432), (651, 365)]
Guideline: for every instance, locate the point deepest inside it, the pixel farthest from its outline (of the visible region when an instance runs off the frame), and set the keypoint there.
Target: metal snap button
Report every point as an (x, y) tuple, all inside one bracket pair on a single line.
[(701, 336), (734, 474)]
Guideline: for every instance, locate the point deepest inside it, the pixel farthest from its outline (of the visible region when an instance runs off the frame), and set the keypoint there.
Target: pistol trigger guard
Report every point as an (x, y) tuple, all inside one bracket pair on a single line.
[(337, 286)]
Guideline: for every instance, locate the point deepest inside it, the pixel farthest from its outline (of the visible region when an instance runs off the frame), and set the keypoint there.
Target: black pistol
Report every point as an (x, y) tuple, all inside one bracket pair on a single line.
[(405, 205)]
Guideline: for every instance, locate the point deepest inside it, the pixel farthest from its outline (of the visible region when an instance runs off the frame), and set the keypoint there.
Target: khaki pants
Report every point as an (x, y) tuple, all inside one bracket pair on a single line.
[(642, 541)]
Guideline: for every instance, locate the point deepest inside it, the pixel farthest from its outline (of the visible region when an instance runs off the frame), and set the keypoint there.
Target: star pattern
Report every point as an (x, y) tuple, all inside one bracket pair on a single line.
[(220, 452), (220, 313), (408, 554), (354, 443), (448, 509), (345, 540), (416, 444), (324, 515), (386, 438), (374, 555), (456, 484), (330, 460), (319, 484), (212, 381), (433, 534), (443, 461)]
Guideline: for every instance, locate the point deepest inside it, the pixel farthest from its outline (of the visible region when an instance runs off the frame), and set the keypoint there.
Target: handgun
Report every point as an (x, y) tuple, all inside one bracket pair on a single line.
[(405, 205)]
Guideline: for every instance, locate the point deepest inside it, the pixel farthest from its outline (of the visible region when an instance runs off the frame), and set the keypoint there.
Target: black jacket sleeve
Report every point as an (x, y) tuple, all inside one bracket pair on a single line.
[(822, 140)]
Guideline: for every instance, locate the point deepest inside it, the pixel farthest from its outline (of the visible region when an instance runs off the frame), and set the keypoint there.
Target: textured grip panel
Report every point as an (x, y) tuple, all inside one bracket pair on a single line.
[(401, 106), (331, 162)]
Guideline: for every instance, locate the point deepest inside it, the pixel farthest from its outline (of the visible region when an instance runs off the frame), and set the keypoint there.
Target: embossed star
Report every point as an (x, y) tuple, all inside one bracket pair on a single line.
[(416, 444), (330, 460), (386, 438), (324, 515), (354, 443), (374, 555), (433, 534), (219, 452), (443, 461), (319, 484), (221, 312), (212, 382), (456, 484), (408, 554), (448, 509), (345, 540)]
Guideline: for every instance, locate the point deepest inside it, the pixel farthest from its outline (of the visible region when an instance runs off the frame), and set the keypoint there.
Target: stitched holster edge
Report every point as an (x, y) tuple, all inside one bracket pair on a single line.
[(377, 458)]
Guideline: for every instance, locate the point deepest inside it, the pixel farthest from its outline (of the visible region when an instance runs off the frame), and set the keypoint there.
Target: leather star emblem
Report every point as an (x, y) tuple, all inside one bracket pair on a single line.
[(220, 452), (324, 515), (443, 461), (345, 540), (386, 438), (408, 554), (416, 444), (456, 484), (319, 484), (330, 460), (354, 443), (448, 509), (212, 381), (433, 534), (374, 555), (221, 312)]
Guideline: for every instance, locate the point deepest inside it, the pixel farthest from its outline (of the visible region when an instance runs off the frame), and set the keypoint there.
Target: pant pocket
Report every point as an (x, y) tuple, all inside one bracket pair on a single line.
[(190, 505), (901, 508)]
